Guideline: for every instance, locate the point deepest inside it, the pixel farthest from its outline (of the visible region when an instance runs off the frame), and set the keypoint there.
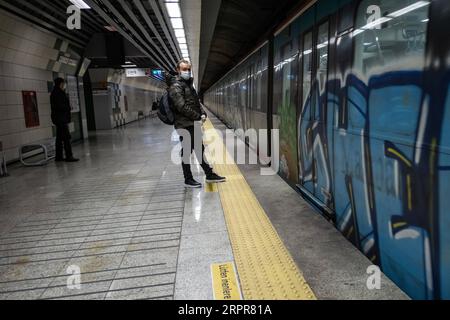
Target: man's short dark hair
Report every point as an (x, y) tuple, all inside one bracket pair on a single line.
[(59, 81), (184, 61)]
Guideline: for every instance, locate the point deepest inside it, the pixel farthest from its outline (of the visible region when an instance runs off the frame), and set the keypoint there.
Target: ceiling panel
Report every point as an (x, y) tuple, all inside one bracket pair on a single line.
[(240, 26)]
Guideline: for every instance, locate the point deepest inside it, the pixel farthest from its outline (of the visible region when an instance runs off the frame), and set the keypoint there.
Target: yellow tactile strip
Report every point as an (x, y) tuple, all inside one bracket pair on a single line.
[(265, 267)]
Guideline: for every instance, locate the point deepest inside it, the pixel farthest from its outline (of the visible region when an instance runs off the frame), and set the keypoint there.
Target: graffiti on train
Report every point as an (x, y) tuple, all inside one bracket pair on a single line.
[(385, 193)]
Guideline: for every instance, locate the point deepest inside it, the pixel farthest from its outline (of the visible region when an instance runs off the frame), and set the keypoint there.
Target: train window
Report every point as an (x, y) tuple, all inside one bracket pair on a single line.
[(307, 65), (346, 14), (322, 56), (391, 33), (242, 89), (286, 53), (259, 86)]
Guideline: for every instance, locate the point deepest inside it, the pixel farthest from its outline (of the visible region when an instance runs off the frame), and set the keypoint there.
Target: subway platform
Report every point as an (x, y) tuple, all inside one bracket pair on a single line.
[(121, 225)]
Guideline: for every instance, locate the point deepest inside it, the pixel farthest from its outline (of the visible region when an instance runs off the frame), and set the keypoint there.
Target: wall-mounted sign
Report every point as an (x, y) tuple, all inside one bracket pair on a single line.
[(68, 61), (72, 91), (137, 72), (30, 109), (158, 74)]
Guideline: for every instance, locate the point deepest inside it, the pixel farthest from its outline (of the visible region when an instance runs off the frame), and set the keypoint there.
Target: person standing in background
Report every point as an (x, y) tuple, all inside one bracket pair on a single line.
[(61, 117)]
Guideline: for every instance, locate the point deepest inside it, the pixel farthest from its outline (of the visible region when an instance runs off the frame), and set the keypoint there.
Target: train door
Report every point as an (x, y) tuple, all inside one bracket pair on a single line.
[(249, 109), (315, 176), (242, 98), (306, 161), (320, 154)]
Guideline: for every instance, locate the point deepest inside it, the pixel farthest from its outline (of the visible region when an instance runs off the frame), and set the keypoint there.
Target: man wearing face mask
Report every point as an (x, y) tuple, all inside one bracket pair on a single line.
[(187, 109), (61, 117)]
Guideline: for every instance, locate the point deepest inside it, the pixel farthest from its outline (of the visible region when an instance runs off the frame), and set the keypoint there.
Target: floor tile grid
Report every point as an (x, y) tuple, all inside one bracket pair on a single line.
[(96, 225)]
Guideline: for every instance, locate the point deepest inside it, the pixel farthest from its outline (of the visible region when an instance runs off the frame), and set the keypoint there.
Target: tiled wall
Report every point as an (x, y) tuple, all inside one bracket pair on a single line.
[(28, 61), (139, 92), (138, 99)]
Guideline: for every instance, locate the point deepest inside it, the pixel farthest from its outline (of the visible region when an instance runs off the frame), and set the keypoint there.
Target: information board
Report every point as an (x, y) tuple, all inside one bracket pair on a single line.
[(72, 91)]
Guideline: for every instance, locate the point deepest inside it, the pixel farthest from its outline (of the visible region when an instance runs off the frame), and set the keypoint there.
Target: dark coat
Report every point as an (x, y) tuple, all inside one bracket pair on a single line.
[(60, 105), (186, 104)]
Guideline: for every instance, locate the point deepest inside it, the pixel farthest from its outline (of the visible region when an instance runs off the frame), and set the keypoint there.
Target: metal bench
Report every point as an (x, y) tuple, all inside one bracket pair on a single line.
[(47, 147), (3, 170)]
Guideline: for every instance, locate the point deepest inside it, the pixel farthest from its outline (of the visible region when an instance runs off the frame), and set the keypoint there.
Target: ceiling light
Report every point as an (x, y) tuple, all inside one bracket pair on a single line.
[(179, 33), (110, 28), (177, 23), (181, 40), (129, 66), (173, 9), (80, 4), (183, 46)]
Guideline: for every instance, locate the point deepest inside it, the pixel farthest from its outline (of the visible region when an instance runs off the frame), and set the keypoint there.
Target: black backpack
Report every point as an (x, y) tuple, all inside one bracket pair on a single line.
[(165, 113)]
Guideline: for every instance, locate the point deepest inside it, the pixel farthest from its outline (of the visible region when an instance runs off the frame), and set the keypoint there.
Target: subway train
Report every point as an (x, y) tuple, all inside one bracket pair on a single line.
[(360, 93)]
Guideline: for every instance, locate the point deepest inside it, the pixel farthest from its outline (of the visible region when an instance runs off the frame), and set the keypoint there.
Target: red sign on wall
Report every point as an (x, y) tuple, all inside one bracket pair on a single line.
[(30, 108)]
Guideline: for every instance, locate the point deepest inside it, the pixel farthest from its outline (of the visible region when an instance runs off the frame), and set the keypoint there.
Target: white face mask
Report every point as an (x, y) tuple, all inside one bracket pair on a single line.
[(185, 75)]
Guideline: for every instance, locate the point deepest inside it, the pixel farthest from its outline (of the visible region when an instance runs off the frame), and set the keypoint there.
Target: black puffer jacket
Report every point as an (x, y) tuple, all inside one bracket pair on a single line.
[(185, 101), (60, 104)]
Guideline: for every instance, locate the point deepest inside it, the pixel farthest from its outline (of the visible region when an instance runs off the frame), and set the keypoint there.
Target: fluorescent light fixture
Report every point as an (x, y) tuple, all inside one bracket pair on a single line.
[(129, 66), (176, 19), (173, 9), (110, 28), (177, 23), (80, 4), (179, 33), (415, 6)]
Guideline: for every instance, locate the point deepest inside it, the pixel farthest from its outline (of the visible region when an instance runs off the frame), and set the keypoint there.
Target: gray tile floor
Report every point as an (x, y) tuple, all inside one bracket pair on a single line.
[(123, 217), (118, 215)]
